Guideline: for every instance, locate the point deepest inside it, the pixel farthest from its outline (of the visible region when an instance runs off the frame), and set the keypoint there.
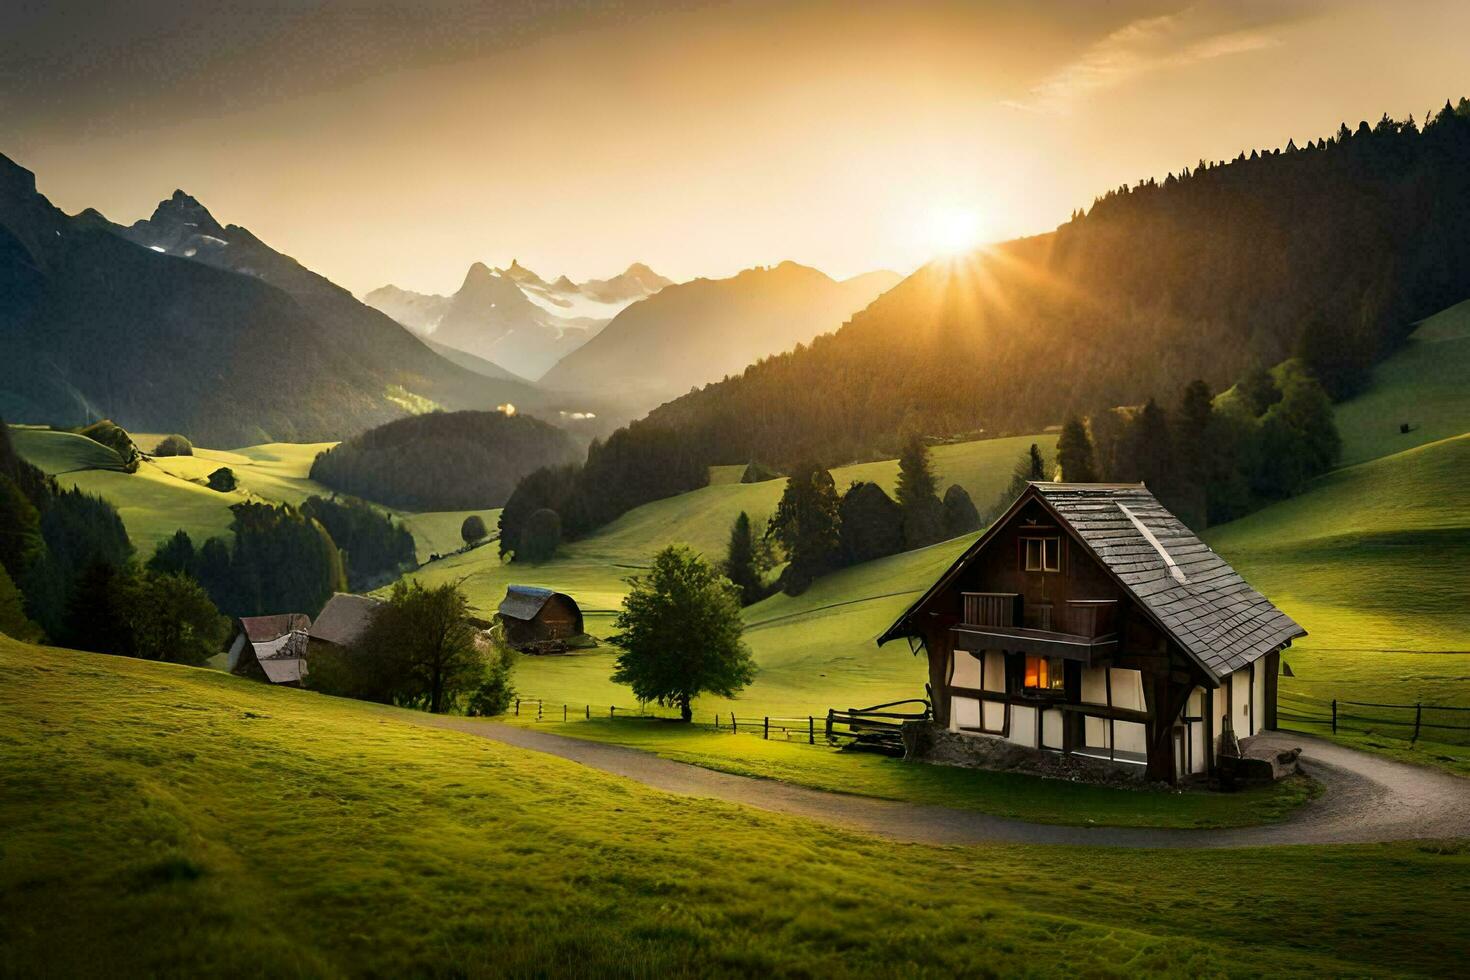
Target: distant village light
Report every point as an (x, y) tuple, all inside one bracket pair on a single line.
[(506, 409)]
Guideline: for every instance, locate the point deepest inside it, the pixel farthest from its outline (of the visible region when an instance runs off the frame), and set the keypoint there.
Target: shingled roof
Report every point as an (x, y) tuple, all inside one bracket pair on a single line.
[(1191, 592), (343, 618), (259, 629), (525, 602)]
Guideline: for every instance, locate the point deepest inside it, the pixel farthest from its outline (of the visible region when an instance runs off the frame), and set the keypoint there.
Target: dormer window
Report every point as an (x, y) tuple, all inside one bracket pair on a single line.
[(1041, 554)]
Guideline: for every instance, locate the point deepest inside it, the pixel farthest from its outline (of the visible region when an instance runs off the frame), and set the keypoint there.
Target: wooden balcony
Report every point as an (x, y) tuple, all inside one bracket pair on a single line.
[(1081, 629)]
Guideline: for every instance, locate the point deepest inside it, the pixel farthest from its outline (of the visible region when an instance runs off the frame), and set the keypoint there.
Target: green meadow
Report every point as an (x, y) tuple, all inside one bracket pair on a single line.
[(168, 820)]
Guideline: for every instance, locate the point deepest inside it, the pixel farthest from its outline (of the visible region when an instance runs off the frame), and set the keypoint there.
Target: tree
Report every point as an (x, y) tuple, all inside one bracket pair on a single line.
[(542, 536), (165, 617), (422, 641), (20, 530), (680, 633), (1074, 453), (493, 695), (918, 495), (960, 515), (1146, 454), (1259, 390), (1030, 468), (173, 446), (14, 622), (1299, 439), (806, 524), (871, 524), (222, 479), (473, 529), (742, 561), (175, 555)]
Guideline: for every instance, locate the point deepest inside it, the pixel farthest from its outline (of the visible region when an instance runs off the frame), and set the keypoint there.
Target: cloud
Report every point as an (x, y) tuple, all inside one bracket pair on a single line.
[(1149, 44)]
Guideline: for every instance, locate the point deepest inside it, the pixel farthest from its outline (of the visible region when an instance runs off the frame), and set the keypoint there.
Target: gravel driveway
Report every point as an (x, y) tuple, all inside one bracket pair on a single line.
[(1366, 799)]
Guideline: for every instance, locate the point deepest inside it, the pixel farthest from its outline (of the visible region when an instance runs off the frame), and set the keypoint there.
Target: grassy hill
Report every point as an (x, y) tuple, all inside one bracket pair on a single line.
[(815, 651), (168, 820)]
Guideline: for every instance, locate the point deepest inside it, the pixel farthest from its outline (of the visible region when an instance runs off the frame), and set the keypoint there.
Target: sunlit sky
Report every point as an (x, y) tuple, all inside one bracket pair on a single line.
[(400, 141)]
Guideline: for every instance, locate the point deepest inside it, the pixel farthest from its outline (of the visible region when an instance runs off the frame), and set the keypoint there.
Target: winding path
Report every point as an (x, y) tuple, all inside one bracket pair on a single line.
[(1366, 799)]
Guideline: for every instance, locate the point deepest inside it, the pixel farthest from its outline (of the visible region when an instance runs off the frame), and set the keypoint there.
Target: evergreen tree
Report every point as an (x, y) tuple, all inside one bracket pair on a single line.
[(918, 495), (1030, 468), (680, 633), (14, 622), (20, 530), (1074, 453), (176, 556), (164, 617), (542, 536), (741, 563), (806, 525), (1195, 449)]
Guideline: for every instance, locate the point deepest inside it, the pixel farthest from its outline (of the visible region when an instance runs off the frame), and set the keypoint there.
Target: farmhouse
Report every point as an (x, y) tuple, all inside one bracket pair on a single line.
[(1089, 621), (342, 620), (537, 619), (270, 647)]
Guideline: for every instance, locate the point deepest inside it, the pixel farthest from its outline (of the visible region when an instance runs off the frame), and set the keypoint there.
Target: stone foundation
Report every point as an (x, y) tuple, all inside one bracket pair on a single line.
[(1259, 763), (926, 741)]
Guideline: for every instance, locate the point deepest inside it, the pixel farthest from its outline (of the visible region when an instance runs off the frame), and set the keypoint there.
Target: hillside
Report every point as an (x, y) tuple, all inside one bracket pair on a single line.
[(697, 332), (444, 460), (153, 811), (514, 318), (1330, 251), (94, 325)]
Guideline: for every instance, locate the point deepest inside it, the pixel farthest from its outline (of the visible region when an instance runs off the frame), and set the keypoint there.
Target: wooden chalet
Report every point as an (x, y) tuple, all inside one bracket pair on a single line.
[(1089, 620), (539, 619)]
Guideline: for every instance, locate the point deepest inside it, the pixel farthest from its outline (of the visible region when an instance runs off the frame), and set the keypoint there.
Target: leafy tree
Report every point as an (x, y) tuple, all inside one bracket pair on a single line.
[(1299, 439), (419, 651), (222, 480), (960, 514), (496, 690), (1074, 453), (542, 536), (870, 524), (165, 617), (806, 524), (473, 529), (173, 446), (918, 495), (1259, 390), (20, 530), (680, 633), (116, 438), (742, 561)]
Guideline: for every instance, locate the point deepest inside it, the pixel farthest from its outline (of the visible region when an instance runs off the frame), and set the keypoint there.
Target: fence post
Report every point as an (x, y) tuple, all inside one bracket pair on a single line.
[(1418, 716), (518, 707), (811, 730), (766, 733), (538, 710), (589, 712), (612, 711), (829, 724), (733, 726), (1334, 716), (563, 713)]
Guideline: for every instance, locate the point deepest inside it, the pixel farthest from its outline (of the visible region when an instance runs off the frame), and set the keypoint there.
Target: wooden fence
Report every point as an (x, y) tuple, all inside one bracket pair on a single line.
[(791, 729), (1448, 724)]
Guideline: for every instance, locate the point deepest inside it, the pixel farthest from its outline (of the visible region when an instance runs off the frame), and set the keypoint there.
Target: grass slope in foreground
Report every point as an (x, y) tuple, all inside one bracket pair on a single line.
[(161, 819)]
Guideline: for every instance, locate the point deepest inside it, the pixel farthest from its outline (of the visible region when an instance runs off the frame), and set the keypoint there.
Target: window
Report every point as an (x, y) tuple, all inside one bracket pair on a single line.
[(1042, 554), (1045, 674)]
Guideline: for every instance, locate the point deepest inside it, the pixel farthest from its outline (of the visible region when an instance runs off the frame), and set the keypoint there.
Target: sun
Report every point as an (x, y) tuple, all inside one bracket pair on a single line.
[(950, 231)]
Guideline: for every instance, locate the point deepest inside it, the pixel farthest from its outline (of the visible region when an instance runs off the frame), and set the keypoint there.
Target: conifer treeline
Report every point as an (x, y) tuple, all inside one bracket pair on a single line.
[(1328, 252)]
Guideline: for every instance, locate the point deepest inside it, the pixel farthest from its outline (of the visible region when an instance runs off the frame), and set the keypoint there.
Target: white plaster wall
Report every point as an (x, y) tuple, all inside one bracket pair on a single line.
[(1095, 685), (1023, 725), (1095, 733), (966, 671), (1051, 729), (235, 650), (964, 713), (1127, 689), (1259, 693), (1132, 736), (1240, 702), (995, 715), (995, 671)]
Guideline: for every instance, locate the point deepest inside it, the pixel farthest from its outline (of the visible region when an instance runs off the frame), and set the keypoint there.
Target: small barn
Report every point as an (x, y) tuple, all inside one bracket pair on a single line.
[(271, 648), (342, 620), (1090, 623), (539, 620)]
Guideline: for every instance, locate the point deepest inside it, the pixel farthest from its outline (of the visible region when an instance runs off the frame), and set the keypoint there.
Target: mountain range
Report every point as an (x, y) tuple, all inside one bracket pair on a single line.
[(179, 323), (512, 317), (697, 332)]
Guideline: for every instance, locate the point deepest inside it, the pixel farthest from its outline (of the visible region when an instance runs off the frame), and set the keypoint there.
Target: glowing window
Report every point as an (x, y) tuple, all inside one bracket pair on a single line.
[(1045, 674)]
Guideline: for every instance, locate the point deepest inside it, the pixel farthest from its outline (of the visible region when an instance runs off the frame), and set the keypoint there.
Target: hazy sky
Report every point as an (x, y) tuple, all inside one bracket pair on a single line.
[(400, 141)]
